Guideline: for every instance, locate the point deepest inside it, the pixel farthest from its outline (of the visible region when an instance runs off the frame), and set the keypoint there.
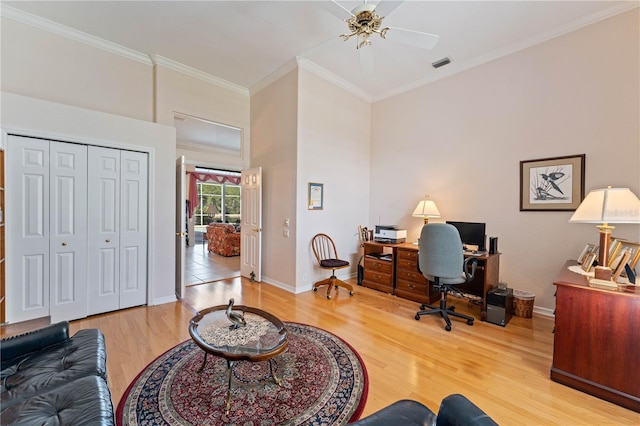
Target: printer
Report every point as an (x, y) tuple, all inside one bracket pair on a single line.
[(389, 234)]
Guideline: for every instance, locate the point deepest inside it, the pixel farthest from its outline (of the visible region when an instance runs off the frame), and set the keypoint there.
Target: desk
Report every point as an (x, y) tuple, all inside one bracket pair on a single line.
[(596, 345), (399, 275)]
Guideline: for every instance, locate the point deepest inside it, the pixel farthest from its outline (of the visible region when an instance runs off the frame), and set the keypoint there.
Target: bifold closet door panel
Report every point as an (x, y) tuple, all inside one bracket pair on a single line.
[(68, 231), (47, 227), (27, 222), (117, 229), (133, 229), (104, 230)]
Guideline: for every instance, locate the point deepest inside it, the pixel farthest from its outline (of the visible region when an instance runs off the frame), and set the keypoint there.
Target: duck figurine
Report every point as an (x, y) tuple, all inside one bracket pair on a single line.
[(236, 318)]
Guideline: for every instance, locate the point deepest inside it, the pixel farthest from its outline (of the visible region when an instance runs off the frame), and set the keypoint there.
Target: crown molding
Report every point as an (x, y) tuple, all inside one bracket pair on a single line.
[(300, 62), (73, 34), (274, 76), (195, 73), (332, 78), (456, 68)]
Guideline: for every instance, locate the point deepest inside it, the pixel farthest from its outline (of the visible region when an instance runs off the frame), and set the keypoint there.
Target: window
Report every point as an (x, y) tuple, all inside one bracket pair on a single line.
[(217, 203)]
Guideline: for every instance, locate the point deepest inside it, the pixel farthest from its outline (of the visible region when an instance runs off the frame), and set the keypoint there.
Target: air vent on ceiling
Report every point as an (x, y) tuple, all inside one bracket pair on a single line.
[(442, 62)]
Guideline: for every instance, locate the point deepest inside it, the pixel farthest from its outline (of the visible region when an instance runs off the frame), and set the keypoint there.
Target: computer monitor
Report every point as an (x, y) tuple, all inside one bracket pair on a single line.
[(471, 233)]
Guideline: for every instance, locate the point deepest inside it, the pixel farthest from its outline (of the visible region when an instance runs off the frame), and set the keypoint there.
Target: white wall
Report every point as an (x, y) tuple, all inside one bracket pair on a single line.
[(41, 64), (461, 139), (274, 148), (333, 149), (34, 117)]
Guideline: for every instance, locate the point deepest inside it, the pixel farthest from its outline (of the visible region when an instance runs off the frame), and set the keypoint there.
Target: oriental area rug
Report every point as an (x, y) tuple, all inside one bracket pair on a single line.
[(323, 382)]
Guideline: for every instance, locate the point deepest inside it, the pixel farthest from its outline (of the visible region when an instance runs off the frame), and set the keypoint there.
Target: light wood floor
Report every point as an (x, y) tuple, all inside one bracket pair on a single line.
[(505, 371)]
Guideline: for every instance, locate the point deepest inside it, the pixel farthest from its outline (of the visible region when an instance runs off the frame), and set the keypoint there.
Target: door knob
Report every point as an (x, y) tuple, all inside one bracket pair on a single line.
[(64, 244), (107, 241)]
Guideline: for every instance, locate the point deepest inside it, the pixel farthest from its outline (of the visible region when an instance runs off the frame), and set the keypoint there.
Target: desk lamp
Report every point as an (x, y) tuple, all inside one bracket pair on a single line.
[(426, 209), (605, 206)]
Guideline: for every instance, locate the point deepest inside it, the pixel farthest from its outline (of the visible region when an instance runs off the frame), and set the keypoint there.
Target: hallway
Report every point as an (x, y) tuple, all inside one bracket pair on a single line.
[(203, 267)]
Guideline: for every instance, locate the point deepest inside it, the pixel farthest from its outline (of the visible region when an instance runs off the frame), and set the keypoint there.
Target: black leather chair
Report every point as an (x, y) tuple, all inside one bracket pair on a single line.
[(327, 256), (441, 260), (455, 410)]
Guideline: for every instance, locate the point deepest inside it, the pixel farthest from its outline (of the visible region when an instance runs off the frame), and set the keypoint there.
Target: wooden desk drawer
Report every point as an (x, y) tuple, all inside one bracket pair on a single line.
[(413, 291), (411, 255), (409, 275), (382, 266), (378, 277)]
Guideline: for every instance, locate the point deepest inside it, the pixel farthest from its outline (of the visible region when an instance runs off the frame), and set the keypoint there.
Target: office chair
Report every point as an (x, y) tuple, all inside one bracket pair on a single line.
[(441, 260), (325, 251)]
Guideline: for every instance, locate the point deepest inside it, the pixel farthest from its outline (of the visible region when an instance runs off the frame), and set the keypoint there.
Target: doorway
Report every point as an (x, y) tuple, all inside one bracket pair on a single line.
[(212, 249)]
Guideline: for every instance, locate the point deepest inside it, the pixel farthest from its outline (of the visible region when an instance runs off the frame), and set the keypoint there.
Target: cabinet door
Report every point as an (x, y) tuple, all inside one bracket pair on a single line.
[(68, 231), (27, 222), (104, 230), (133, 229)]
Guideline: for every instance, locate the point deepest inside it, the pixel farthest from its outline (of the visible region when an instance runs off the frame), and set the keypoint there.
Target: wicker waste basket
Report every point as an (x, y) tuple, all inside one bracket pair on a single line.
[(523, 303)]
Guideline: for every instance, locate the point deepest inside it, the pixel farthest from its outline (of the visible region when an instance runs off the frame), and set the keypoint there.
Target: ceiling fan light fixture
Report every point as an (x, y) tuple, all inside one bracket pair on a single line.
[(363, 23)]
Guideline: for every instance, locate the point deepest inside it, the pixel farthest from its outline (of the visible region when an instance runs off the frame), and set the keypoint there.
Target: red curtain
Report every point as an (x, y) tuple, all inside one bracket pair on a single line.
[(194, 178)]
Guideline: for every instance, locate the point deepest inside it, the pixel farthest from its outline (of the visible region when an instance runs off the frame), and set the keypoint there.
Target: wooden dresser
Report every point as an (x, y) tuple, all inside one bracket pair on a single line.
[(596, 345)]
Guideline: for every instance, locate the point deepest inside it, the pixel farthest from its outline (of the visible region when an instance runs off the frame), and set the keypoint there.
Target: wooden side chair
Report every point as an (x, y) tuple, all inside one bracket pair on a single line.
[(325, 251)]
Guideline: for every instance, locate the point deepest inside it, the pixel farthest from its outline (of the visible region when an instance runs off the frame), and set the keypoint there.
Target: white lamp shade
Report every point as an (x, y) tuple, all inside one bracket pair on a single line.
[(426, 208), (608, 205)]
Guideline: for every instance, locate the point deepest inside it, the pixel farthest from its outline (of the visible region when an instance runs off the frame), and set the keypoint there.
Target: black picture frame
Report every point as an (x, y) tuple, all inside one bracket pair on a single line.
[(552, 184)]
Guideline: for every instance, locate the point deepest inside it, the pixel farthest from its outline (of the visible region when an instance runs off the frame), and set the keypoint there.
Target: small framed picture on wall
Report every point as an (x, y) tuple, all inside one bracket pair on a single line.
[(316, 196)]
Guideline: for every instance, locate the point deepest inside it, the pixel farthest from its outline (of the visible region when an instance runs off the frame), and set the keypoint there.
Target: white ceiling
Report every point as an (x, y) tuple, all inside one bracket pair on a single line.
[(243, 42)]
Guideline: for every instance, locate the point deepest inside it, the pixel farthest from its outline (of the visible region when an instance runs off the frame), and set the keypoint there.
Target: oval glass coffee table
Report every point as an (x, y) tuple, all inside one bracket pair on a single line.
[(263, 338)]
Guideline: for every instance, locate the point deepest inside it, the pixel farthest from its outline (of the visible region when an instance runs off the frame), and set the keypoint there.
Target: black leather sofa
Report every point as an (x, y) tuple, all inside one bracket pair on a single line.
[(51, 378), (455, 410)]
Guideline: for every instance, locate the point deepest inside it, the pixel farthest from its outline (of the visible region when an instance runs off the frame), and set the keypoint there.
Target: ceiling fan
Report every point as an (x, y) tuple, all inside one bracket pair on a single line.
[(365, 20)]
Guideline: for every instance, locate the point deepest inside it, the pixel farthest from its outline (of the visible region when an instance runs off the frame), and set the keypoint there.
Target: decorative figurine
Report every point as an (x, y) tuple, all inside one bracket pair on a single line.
[(237, 318)]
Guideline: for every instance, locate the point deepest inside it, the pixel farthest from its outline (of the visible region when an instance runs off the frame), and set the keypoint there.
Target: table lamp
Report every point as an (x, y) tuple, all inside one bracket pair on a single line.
[(426, 208), (211, 211), (605, 206)]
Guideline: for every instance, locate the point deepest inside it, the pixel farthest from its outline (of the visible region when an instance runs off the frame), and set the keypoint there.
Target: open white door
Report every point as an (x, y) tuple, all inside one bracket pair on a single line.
[(251, 228), (180, 225)]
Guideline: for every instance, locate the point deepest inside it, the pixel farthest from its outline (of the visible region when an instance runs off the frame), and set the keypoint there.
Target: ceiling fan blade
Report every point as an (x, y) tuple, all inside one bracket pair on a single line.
[(366, 60), (413, 38), (384, 8), (336, 9)]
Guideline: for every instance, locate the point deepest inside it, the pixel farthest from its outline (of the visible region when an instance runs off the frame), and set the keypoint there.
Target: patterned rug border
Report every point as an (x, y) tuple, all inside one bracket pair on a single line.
[(355, 416)]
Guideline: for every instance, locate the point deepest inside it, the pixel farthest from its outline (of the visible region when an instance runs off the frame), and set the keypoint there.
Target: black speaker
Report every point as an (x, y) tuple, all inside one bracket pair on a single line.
[(493, 245)]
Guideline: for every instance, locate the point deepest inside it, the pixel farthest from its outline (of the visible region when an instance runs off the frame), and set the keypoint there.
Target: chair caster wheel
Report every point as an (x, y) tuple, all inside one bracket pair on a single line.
[(328, 297), (315, 289), (422, 307), (447, 327), (470, 322), (417, 317), (350, 293), (451, 308)]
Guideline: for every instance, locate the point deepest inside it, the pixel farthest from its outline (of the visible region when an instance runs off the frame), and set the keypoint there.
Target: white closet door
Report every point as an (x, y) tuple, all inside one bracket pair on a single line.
[(68, 231), (104, 230), (27, 223), (133, 229)]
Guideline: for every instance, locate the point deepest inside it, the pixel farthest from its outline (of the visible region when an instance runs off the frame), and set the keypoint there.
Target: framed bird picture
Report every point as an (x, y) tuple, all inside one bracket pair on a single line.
[(552, 184)]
